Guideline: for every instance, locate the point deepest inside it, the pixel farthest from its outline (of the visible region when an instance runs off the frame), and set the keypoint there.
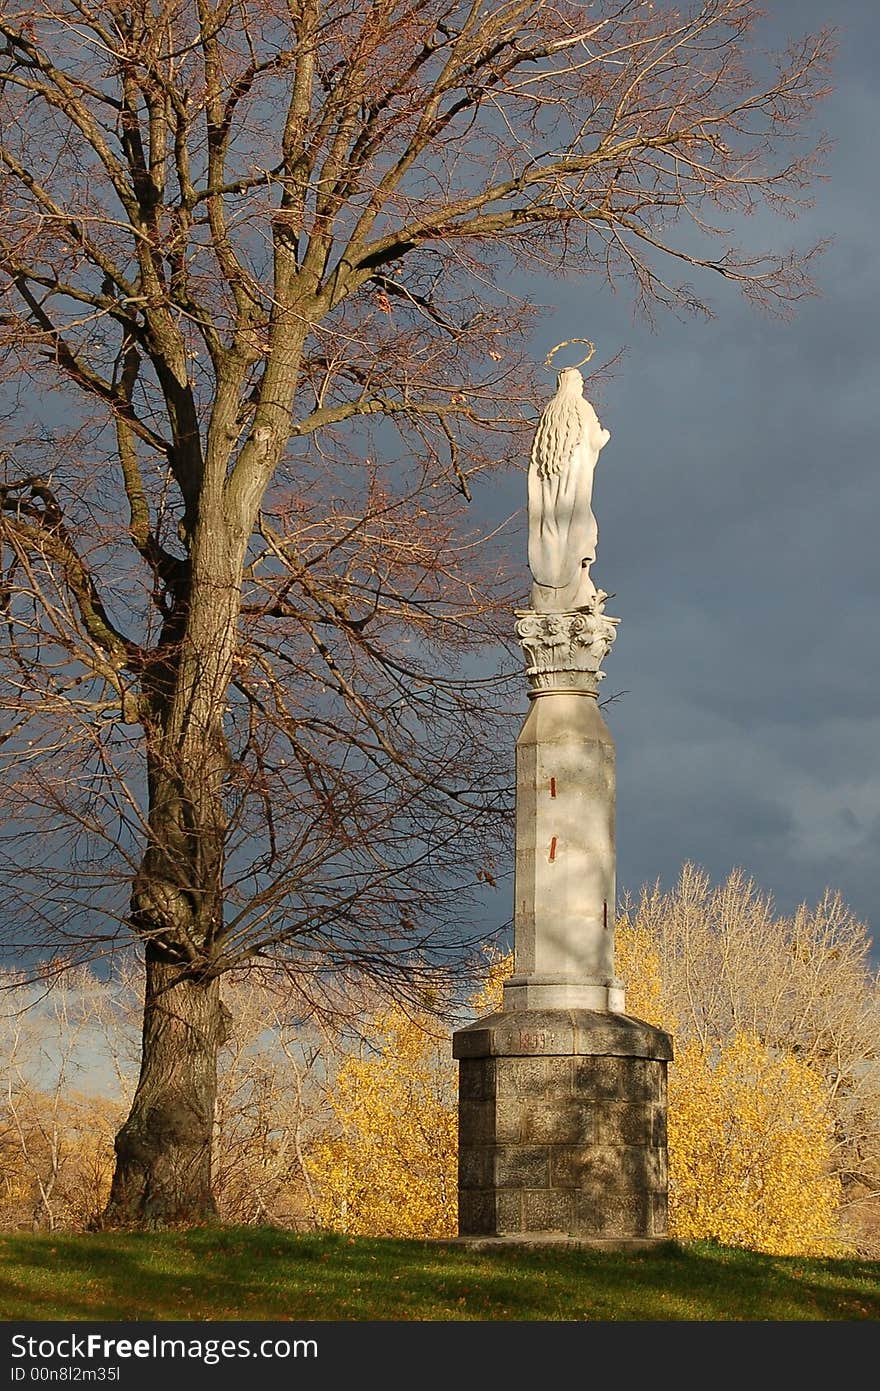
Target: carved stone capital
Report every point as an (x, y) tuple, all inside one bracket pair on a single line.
[(565, 651)]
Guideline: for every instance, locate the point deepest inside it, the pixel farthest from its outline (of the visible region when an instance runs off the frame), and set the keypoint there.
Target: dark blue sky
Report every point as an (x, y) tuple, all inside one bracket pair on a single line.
[(738, 504)]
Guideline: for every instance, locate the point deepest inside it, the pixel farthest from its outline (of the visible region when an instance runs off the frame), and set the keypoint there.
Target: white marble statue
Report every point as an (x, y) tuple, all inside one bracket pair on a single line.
[(562, 528)]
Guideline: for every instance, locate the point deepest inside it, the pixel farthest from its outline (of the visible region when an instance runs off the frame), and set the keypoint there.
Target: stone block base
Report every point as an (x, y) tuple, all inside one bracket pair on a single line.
[(562, 1127)]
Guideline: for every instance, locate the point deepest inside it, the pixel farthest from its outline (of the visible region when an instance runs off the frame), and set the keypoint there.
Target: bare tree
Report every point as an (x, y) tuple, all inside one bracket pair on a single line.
[(259, 351), (274, 1077)]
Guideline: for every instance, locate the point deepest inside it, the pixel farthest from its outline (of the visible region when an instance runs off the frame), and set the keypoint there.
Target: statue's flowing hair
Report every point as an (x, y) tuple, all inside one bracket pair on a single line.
[(564, 422)]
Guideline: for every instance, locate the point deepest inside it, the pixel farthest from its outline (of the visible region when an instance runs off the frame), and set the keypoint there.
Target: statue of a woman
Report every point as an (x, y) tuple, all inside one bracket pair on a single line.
[(562, 528)]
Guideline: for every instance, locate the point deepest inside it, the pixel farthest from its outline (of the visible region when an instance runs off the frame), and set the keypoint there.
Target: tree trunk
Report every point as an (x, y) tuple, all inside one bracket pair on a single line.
[(163, 1170), (163, 1151)]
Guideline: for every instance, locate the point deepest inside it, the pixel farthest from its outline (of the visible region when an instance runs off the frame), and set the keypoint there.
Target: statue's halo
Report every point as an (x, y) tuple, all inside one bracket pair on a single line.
[(548, 360)]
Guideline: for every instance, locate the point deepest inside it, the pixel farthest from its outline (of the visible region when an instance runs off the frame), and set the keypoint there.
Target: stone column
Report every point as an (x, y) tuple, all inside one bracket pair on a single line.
[(562, 1096)]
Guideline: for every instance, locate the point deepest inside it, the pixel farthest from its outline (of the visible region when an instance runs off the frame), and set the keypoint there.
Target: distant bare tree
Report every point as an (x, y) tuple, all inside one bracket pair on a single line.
[(56, 1124), (271, 1103), (804, 984)]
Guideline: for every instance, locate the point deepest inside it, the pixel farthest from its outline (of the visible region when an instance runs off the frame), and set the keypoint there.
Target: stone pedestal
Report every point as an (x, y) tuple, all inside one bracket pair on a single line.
[(562, 1128), (562, 1096)]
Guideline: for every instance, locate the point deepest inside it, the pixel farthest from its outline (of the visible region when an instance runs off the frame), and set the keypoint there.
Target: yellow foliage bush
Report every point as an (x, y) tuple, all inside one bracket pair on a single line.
[(389, 1167), (749, 1150), (637, 964), (751, 1125), (749, 1130), (488, 996)]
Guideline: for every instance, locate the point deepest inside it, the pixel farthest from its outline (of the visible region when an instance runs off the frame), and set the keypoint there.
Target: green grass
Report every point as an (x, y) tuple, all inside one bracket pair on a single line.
[(267, 1274)]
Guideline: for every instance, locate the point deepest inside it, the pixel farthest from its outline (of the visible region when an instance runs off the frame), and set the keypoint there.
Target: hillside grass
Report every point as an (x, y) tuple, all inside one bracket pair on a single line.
[(208, 1274)]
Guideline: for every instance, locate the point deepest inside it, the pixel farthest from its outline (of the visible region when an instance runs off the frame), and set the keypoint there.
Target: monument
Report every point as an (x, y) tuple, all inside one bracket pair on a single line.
[(562, 1095)]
